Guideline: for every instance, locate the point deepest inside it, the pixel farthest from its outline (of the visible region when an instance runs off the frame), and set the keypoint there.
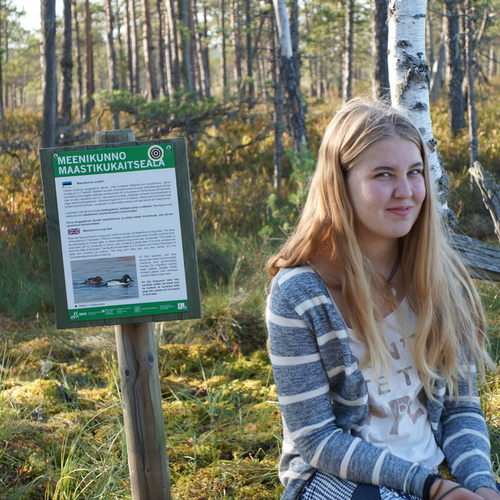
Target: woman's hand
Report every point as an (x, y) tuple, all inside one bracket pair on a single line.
[(487, 494), (441, 488)]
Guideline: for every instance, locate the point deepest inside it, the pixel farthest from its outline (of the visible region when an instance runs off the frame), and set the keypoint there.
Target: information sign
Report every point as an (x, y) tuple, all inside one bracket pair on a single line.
[(121, 233)]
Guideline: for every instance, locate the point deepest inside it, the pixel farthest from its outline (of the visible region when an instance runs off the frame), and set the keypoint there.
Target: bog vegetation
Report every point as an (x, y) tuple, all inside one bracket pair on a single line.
[(61, 430)]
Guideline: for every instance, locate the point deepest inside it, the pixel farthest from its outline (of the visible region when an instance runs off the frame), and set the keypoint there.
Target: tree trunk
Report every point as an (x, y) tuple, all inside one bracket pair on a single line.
[(89, 53), (294, 33), (250, 87), (171, 42), (348, 51), (110, 47), (199, 54), (187, 51), (456, 108), (67, 68), (429, 35), (148, 47), (492, 66), (262, 65), (278, 113), (409, 75), (134, 47), (130, 66), (79, 68), (2, 36), (205, 50), (380, 79), (437, 70), (120, 56), (162, 52), (236, 30), (224, 47), (49, 78), (290, 77), (469, 64)]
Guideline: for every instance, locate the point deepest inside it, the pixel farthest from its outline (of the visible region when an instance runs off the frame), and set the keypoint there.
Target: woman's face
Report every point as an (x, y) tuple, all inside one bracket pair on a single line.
[(386, 187)]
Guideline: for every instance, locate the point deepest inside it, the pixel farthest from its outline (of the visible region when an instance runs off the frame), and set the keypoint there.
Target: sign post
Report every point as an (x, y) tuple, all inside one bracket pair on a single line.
[(122, 249)]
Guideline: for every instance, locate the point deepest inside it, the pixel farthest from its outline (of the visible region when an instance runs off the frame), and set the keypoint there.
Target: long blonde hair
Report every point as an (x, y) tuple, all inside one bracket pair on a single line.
[(451, 320)]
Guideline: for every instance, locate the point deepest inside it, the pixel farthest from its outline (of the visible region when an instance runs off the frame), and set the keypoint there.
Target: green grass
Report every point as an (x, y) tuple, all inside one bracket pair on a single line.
[(61, 430), (61, 422)]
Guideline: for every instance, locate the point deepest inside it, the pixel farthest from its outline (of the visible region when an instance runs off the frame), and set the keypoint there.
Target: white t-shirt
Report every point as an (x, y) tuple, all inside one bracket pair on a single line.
[(398, 419)]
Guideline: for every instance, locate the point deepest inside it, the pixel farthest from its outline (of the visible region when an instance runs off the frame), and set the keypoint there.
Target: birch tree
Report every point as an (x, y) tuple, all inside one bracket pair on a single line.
[(291, 78), (409, 74), (348, 51)]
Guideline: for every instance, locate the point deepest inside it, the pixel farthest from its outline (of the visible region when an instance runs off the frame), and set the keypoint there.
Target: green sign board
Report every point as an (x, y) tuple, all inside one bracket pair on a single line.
[(121, 233)]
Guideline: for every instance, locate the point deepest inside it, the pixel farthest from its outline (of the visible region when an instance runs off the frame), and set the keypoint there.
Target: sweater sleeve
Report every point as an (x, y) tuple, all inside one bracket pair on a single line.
[(315, 397), (466, 443)]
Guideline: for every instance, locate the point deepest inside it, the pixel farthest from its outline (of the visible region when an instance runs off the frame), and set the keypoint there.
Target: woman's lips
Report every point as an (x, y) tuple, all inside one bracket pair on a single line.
[(401, 211)]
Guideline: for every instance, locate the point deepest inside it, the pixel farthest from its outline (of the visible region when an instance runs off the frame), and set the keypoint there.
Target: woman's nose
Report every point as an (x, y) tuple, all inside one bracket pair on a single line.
[(402, 189)]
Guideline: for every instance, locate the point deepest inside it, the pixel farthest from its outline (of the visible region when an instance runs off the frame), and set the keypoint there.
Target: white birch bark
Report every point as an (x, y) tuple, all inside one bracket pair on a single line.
[(283, 24), (409, 75), (291, 75)]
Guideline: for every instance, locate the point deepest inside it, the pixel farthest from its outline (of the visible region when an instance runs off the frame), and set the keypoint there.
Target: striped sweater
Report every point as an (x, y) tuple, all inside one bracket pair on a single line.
[(324, 401)]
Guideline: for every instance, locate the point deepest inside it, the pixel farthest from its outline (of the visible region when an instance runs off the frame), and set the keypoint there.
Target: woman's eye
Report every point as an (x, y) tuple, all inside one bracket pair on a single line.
[(416, 172)]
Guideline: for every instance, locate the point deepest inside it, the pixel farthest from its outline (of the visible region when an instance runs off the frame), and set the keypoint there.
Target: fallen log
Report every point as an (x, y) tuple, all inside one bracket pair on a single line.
[(490, 191), (482, 260)]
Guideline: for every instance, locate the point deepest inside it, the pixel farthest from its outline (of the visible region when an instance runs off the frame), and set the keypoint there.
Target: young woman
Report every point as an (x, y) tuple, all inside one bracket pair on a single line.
[(375, 328)]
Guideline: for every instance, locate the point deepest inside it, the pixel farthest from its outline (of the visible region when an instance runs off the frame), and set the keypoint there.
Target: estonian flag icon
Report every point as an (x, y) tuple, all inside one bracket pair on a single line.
[(67, 183)]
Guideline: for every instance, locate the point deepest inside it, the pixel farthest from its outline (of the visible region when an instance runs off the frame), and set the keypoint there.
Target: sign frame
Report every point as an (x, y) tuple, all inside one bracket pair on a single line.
[(58, 258)]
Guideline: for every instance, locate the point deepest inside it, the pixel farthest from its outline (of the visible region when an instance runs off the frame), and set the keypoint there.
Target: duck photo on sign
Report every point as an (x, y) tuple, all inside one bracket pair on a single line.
[(104, 279)]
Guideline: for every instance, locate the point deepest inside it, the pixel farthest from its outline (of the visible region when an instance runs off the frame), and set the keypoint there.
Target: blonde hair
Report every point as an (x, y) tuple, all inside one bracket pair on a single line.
[(450, 317)]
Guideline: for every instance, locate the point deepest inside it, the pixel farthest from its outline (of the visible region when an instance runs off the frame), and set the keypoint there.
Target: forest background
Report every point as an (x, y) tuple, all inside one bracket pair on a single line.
[(216, 73)]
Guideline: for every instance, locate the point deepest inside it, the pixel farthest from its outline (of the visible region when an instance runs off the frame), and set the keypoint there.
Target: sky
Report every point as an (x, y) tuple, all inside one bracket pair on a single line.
[(31, 20)]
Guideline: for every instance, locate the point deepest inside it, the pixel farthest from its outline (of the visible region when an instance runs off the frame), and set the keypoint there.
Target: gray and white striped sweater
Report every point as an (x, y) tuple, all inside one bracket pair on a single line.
[(324, 402)]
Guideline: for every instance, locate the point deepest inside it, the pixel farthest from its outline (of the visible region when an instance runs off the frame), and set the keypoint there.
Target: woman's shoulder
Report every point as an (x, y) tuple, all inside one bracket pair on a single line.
[(298, 272), (297, 284), (299, 280), (302, 290)]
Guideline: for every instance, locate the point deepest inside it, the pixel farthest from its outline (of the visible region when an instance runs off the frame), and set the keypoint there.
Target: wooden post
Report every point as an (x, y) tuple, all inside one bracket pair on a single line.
[(141, 395)]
